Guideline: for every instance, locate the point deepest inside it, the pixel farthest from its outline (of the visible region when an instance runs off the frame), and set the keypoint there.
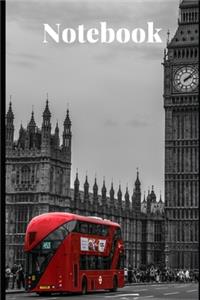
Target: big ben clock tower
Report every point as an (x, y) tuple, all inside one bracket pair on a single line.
[(181, 91)]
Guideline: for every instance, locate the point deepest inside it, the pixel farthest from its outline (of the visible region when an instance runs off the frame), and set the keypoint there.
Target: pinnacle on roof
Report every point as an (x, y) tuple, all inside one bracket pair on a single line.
[(127, 194), (67, 121), (153, 196), (95, 184), (32, 121), (10, 114), (86, 184), (137, 182), (103, 190), (112, 189), (76, 182), (46, 112), (160, 201), (119, 193)]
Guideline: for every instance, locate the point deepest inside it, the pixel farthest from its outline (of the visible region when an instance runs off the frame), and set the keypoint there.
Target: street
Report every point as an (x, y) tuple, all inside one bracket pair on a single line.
[(188, 291)]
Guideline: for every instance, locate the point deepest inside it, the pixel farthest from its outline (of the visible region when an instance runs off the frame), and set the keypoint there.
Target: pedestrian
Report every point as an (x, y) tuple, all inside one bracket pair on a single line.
[(157, 276), (20, 277), (152, 274), (14, 274), (130, 274), (187, 275), (7, 275)]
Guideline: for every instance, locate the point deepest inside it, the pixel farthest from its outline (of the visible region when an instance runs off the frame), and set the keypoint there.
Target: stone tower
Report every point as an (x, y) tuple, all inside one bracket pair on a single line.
[(37, 176), (181, 81)]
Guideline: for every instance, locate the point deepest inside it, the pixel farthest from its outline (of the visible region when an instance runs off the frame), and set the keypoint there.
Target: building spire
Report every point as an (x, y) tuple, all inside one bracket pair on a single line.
[(10, 114), (160, 201), (32, 120), (168, 36), (46, 113), (137, 182)]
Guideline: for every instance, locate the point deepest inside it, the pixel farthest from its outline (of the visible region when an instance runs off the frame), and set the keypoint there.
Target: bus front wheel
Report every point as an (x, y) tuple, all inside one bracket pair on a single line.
[(84, 286)]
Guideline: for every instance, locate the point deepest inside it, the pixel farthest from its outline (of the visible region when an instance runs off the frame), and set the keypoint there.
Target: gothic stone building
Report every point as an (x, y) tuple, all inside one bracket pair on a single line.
[(38, 181), (37, 176), (181, 93)]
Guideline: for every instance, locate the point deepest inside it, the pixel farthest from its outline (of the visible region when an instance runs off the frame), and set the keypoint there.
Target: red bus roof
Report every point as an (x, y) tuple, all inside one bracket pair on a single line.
[(43, 224)]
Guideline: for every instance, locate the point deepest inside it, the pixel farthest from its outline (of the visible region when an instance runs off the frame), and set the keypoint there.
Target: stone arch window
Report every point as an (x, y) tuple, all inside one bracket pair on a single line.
[(183, 53), (25, 175), (191, 233), (175, 54), (183, 232), (195, 52), (192, 16), (191, 53), (17, 177), (33, 175)]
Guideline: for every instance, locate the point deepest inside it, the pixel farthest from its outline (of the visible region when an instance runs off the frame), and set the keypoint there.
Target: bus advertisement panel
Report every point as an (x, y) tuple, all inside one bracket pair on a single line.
[(71, 253)]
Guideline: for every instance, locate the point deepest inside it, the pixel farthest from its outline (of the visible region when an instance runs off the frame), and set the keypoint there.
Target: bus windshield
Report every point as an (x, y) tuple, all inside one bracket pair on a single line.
[(39, 257)]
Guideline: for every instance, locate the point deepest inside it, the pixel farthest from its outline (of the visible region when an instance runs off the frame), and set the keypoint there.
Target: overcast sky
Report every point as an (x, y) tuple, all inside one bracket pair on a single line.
[(114, 91)]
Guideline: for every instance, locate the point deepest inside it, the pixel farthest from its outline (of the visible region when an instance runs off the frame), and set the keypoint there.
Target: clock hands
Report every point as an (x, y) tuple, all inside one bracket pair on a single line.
[(188, 77)]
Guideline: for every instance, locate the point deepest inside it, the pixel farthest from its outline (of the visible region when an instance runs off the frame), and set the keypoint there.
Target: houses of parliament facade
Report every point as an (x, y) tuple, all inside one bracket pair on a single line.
[(38, 171)]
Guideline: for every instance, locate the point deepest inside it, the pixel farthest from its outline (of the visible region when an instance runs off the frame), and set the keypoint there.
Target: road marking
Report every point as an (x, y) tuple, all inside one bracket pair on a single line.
[(180, 286), (190, 291), (161, 288), (122, 295), (140, 290), (174, 293)]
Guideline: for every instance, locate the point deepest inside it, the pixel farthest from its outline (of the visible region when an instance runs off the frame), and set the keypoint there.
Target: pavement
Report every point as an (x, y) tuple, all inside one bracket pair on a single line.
[(22, 290)]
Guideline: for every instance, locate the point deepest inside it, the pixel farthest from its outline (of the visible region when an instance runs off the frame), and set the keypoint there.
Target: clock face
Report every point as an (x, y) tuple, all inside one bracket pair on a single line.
[(186, 79)]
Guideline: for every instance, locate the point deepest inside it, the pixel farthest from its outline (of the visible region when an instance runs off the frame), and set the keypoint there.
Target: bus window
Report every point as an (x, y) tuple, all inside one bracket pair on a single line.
[(104, 230), (94, 262), (83, 227), (70, 226)]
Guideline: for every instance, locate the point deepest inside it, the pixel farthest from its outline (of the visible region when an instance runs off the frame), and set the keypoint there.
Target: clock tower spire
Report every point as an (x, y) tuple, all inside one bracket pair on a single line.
[(181, 82)]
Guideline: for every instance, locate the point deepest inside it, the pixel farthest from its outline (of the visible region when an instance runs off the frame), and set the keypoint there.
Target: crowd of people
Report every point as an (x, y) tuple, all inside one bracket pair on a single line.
[(15, 277), (153, 274)]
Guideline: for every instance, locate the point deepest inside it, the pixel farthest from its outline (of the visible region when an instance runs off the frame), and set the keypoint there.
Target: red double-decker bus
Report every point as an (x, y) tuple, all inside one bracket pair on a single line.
[(72, 253)]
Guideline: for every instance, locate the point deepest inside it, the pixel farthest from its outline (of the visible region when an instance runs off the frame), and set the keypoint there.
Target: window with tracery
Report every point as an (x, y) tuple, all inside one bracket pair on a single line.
[(25, 175), (22, 218)]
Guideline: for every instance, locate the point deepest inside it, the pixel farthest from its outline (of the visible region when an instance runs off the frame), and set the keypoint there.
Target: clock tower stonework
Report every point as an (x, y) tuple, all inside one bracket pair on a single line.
[(181, 91)]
